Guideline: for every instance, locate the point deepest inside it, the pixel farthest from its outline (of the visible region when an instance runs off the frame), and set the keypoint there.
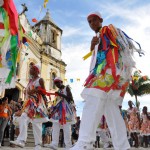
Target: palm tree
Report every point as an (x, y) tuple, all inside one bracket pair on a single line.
[(139, 86)]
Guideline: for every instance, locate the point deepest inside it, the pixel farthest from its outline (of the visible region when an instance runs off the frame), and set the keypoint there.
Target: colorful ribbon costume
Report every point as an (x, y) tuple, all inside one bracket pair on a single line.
[(63, 111), (34, 105), (112, 61), (10, 39)]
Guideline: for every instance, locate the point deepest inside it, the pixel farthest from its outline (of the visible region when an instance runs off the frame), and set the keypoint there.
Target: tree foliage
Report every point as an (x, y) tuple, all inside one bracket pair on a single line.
[(139, 86)]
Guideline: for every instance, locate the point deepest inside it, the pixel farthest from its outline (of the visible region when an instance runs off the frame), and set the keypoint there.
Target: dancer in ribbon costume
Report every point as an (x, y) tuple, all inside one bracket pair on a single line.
[(9, 43), (105, 87), (63, 115), (104, 133), (34, 110)]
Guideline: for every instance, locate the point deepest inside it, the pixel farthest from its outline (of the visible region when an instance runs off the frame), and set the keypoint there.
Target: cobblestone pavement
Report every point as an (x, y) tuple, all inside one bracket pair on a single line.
[(31, 148)]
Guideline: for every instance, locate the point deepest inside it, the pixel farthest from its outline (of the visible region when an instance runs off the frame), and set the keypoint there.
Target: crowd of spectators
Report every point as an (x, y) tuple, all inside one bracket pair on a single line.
[(10, 111)]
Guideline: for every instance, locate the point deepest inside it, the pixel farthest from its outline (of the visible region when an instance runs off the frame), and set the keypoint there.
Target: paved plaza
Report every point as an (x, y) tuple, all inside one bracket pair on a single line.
[(31, 148)]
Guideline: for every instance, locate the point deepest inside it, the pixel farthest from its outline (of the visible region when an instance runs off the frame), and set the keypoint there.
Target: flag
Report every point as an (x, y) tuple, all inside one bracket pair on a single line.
[(71, 80), (65, 80), (78, 79), (45, 3)]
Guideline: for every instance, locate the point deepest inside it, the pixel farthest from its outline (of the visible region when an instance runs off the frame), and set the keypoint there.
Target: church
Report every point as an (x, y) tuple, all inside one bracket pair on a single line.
[(43, 48)]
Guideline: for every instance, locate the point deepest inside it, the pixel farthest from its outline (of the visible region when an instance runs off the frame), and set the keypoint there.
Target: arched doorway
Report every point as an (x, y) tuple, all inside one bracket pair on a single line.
[(12, 94)]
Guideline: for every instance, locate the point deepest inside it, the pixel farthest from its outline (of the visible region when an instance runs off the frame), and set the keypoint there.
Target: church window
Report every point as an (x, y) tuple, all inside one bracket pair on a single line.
[(52, 81), (53, 38)]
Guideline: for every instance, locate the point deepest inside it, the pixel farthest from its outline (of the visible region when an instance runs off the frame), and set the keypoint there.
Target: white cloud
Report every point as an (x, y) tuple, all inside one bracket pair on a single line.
[(71, 32), (76, 67)]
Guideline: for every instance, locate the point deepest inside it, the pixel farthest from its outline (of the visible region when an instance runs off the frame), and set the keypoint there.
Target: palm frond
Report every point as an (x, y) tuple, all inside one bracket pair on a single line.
[(144, 89), (130, 90)]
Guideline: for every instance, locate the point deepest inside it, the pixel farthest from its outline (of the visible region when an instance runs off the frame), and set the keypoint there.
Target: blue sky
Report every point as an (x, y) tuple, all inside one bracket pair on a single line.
[(132, 16)]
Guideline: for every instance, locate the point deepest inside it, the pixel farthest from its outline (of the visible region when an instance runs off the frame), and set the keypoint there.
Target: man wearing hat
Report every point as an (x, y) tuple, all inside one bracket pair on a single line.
[(63, 115), (105, 87)]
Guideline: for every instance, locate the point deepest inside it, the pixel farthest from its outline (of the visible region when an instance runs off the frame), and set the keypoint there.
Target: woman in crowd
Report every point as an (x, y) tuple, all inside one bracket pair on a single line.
[(145, 125), (5, 113), (133, 123)]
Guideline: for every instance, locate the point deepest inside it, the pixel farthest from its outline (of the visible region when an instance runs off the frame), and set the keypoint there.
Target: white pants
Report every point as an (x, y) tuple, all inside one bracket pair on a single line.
[(93, 110), (67, 134), (23, 126)]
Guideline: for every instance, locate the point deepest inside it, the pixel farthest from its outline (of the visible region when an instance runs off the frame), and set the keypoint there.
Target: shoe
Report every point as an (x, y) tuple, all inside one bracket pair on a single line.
[(68, 146), (18, 143), (83, 146), (37, 147), (52, 146), (2, 144), (107, 146), (12, 145)]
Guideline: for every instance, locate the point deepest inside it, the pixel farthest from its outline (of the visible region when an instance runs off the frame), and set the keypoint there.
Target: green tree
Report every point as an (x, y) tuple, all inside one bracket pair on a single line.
[(139, 86)]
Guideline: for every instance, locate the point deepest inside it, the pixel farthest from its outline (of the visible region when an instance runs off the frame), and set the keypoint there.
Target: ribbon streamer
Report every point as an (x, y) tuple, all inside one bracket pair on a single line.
[(45, 3), (45, 92), (87, 55)]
